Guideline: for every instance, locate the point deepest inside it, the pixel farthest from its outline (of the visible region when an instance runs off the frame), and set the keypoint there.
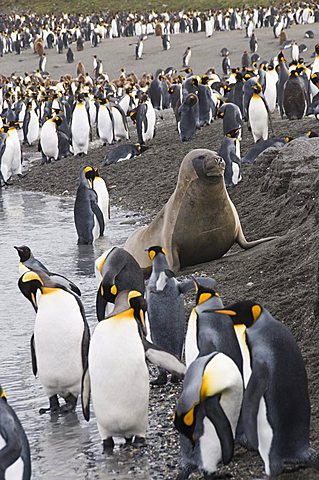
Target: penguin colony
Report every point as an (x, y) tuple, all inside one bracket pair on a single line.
[(237, 383)]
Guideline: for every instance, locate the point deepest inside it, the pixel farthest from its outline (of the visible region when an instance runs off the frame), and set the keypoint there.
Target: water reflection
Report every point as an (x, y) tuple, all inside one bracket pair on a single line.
[(62, 447)]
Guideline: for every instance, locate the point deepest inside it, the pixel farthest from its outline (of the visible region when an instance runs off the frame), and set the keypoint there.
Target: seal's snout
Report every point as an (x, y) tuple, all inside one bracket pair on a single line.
[(214, 166)]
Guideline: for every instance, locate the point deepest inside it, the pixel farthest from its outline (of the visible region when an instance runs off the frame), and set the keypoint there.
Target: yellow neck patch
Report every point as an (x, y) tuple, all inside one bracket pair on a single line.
[(204, 297)]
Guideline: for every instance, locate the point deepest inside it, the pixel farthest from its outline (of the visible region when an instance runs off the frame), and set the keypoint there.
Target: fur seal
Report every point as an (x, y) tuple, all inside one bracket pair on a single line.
[(199, 222)]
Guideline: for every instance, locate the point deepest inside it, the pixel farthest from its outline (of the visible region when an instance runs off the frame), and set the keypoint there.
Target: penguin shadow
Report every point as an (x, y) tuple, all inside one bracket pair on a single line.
[(85, 258)]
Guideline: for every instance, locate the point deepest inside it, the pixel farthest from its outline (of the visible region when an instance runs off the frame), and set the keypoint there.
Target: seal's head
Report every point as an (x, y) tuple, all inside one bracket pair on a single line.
[(202, 164)]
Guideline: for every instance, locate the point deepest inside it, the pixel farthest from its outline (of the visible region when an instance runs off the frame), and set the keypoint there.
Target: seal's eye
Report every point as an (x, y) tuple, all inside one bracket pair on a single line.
[(201, 157)]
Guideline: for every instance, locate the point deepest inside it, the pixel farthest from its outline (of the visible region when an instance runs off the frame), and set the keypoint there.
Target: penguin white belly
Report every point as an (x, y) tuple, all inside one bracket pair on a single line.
[(16, 162), (271, 97), (120, 130), (7, 160), (119, 379), (236, 177), (92, 112), (102, 197), (258, 119), (58, 335), (33, 128), (240, 331), (14, 471), (105, 125), (151, 121), (265, 434), (96, 229), (80, 129), (210, 447), (49, 140), (191, 348)]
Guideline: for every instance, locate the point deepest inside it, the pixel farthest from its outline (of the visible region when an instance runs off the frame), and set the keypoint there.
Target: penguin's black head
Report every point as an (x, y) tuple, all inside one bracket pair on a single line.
[(90, 174), (185, 423), (3, 394), (246, 312), (29, 283), (257, 88), (57, 120), (133, 115), (153, 251), (24, 253), (107, 293), (138, 303), (205, 289), (312, 134)]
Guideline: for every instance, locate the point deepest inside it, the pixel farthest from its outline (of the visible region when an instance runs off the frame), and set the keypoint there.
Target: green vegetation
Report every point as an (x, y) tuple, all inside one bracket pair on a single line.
[(94, 6)]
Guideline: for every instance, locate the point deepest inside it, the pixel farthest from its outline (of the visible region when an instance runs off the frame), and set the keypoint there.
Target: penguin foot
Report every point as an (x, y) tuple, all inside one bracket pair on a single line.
[(54, 406), (160, 380), (108, 444), (70, 404), (139, 441)]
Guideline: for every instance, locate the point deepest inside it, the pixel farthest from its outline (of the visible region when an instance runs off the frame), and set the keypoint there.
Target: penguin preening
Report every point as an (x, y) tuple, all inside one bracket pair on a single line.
[(15, 458), (276, 406), (60, 342), (115, 270), (207, 413), (29, 262)]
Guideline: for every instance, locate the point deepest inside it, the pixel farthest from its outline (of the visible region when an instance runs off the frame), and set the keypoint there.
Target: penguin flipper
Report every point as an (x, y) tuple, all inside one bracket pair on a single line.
[(56, 277), (100, 304), (33, 357), (256, 388), (162, 358), (217, 416), (99, 215), (12, 450), (85, 394)]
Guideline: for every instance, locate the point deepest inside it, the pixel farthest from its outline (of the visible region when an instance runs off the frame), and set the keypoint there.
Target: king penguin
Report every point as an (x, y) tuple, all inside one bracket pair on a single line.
[(99, 186), (165, 307), (59, 345), (276, 405), (258, 114), (207, 413), (15, 459), (80, 126), (115, 270), (207, 332), (88, 217)]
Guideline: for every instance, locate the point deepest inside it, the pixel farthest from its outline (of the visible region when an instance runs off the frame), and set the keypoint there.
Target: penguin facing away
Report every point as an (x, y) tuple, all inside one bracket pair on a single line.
[(15, 459), (276, 405), (207, 413), (59, 345), (165, 308)]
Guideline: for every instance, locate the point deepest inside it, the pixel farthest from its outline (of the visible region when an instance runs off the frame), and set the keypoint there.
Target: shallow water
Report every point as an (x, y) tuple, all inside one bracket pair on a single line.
[(64, 447)]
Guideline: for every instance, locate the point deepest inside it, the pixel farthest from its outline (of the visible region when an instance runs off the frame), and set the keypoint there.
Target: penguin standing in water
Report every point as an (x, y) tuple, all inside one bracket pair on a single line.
[(187, 57), (88, 217), (59, 345), (115, 270), (80, 127), (120, 389), (99, 186), (165, 308), (29, 262), (207, 414), (15, 458), (258, 114), (276, 406)]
